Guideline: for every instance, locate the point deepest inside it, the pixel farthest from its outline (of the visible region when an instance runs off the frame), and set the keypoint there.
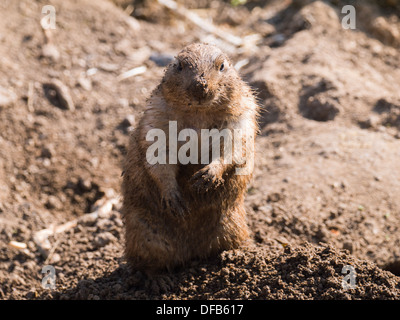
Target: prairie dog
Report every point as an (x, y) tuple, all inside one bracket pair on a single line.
[(175, 211)]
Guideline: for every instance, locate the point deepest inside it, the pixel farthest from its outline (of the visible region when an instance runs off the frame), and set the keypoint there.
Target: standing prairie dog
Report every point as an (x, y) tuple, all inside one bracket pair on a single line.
[(174, 212)]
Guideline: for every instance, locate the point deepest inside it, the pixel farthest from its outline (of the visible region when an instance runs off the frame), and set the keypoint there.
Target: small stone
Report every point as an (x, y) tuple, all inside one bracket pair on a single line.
[(348, 246), (127, 124), (46, 162), (53, 203), (58, 94), (7, 97), (108, 67), (274, 197), (277, 40), (161, 59), (85, 83), (55, 258), (88, 220), (128, 121), (85, 185), (118, 222), (123, 47), (51, 52), (122, 102), (104, 224), (46, 152), (102, 239), (372, 121)]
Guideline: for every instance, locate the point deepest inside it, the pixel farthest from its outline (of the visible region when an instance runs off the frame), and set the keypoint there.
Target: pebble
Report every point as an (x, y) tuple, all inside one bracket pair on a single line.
[(85, 184), (62, 92), (371, 122), (277, 40), (108, 67), (104, 224), (123, 103), (102, 239), (50, 51), (7, 97), (348, 246), (87, 220), (85, 83), (274, 197), (55, 258), (53, 203), (128, 121), (118, 222), (161, 59), (124, 46), (46, 152)]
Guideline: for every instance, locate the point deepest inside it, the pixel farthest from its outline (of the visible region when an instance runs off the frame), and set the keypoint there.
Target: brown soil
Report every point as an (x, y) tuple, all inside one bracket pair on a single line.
[(327, 179)]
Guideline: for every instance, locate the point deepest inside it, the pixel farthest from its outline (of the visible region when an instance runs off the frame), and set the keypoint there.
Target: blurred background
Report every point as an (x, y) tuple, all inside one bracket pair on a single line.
[(327, 164)]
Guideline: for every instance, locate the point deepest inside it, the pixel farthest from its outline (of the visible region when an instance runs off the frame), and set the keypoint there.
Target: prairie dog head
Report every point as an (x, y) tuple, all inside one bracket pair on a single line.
[(201, 76)]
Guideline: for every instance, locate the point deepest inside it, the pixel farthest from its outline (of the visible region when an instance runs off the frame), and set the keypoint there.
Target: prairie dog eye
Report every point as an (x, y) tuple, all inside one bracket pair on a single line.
[(220, 63)]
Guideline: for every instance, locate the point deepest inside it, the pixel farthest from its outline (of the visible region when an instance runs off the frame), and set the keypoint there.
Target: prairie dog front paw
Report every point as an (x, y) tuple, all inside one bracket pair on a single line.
[(207, 178), (174, 204)]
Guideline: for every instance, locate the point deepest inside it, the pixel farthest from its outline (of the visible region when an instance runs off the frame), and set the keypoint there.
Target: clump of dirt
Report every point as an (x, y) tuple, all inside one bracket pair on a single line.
[(271, 271), (326, 182)]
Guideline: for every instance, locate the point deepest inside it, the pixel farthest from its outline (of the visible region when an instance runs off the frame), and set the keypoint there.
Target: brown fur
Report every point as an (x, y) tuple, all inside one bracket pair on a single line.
[(176, 212)]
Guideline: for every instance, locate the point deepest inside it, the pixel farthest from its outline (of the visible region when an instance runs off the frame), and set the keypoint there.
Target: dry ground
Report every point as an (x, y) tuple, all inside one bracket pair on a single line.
[(327, 180)]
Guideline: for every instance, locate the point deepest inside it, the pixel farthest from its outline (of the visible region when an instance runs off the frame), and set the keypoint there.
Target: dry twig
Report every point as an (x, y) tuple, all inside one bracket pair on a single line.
[(201, 23)]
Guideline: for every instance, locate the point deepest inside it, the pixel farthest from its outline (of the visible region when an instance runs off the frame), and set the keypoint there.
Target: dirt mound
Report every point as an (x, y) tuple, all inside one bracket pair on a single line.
[(325, 189), (271, 271), (305, 272)]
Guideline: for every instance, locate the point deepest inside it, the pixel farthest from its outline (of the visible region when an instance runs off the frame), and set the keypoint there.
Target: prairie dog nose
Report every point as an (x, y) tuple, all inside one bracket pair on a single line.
[(199, 88), (201, 81)]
